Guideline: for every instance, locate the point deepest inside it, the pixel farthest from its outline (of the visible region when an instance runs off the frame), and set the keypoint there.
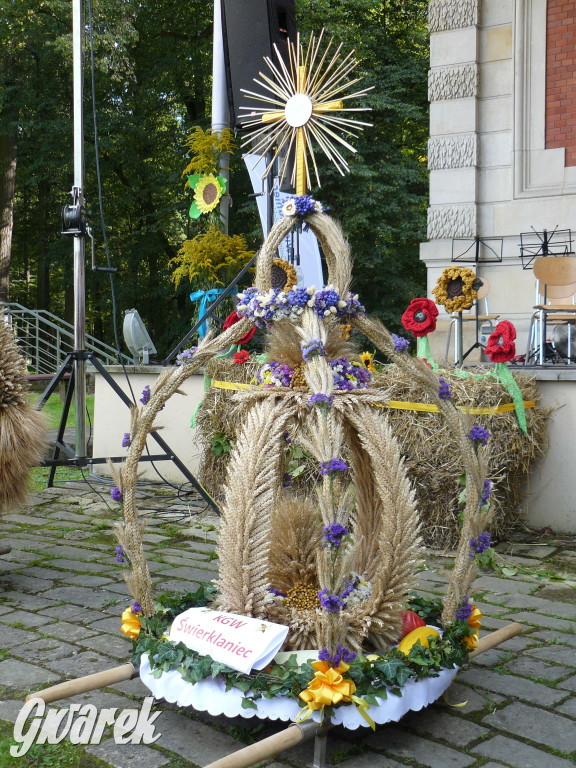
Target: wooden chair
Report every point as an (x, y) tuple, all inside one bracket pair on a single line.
[(556, 302), (459, 318)]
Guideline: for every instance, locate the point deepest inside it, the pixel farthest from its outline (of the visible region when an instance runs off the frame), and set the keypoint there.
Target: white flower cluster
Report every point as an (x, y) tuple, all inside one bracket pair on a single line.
[(358, 595)]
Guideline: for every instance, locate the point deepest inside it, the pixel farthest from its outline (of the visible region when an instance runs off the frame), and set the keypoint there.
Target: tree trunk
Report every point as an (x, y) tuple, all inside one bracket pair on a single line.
[(7, 179)]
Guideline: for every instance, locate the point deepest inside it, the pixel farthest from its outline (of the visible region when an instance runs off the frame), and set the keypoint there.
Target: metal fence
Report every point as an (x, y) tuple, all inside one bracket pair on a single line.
[(46, 339)]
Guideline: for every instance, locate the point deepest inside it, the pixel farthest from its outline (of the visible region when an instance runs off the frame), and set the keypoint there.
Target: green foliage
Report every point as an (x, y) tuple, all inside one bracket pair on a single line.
[(429, 609), (211, 259), (220, 444)]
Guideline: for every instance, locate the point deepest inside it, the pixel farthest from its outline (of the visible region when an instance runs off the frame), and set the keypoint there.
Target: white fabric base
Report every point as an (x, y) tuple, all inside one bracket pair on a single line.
[(210, 696)]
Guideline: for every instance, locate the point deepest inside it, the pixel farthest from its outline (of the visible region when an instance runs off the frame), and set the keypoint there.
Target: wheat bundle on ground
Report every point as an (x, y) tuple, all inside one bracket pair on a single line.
[(431, 453)]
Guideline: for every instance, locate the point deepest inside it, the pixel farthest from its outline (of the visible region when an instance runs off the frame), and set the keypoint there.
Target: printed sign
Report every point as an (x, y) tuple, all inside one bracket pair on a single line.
[(237, 641)]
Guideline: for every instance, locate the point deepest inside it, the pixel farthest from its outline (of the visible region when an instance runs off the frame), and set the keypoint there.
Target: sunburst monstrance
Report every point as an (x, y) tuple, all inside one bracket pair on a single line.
[(304, 103)]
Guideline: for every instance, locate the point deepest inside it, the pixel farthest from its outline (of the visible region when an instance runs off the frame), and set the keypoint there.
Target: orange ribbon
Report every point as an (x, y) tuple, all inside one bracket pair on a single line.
[(474, 621), (131, 624)]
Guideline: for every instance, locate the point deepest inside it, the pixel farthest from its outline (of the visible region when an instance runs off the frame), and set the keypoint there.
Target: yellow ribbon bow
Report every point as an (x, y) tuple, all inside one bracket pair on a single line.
[(474, 621), (131, 624)]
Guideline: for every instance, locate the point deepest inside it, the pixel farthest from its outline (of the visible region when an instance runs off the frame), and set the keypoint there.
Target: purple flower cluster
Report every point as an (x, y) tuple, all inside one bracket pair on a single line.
[(486, 493), (145, 395), (287, 479), (287, 438), (136, 607), (349, 376), (480, 544), (333, 466), (330, 603), (277, 592), (342, 654), (186, 356), (400, 343), (313, 348), (444, 390), (333, 535), (322, 401), (275, 304), (116, 494), (349, 587), (275, 374), (126, 440), (464, 612), (119, 554), (305, 204), (479, 435)]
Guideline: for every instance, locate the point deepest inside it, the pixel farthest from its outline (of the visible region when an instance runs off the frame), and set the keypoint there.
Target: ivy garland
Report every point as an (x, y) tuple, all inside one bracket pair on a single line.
[(375, 675)]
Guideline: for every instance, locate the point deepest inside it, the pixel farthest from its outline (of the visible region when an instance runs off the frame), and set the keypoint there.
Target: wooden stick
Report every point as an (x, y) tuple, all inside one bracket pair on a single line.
[(496, 638), (295, 734), (84, 684)]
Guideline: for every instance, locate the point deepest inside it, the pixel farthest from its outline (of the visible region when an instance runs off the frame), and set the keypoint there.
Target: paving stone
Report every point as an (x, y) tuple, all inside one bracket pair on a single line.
[(86, 580), (539, 551), (74, 553), (519, 643), (29, 602), (128, 755), (69, 517), (11, 636), (110, 625), (429, 753), (19, 556), (67, 631), (371, 760), (440, 725), (81, 596), (5, 609), (560, 592), (548, 622), (568, 707), (557, 654), (569, 685), (6, 566), (20, 583), (473, 701), (533, 603), (72, 613), (190, 574), (497, 585), (21, 675), (193, 740), (132, 688), (518, 754), (175, 560), (509, 685), (26, 520), (550, 636), (44, 649), (42, 572), (120, 588), (83, 663), (177, 586), (537, 725), (10, 709), (153, 538), (25, 618), (530, 667), (492, 658), (119, 647)]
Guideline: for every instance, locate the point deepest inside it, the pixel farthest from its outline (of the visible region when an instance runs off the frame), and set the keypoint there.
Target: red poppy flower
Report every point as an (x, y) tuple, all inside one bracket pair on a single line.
[(231, 320), (501, 347), (241, 357), (420, 317)]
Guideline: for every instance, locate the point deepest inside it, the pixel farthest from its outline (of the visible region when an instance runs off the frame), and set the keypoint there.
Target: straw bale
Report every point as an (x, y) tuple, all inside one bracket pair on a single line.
[(431, 454)]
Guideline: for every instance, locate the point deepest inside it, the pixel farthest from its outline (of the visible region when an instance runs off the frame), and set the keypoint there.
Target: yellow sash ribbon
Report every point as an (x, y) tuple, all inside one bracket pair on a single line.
[(131, 624), (328, 688), (474, 621)]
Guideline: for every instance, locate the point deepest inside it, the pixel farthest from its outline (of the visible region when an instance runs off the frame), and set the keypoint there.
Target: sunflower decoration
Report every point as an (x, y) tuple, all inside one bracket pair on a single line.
[(457, 289), (367, 360), (284, 277), (208, 189)]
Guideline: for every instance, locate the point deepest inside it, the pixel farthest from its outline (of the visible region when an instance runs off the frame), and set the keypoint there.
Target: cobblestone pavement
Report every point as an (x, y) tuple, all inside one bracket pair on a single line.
[(62, 592)]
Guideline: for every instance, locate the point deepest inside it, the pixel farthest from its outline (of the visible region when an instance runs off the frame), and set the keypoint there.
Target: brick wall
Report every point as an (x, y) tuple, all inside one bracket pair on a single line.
[(561, 77)]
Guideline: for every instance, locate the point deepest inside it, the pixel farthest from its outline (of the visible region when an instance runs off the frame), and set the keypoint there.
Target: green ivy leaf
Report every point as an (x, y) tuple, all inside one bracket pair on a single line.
[(249, 704)]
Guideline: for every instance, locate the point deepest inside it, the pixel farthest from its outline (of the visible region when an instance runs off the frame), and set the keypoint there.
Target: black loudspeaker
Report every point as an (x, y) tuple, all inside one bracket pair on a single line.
[(251, 27)]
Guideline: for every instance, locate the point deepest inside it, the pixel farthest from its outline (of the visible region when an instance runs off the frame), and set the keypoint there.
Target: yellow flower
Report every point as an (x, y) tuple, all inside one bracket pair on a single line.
[(207, 193), (455, 289), (367, 361), (474, 621), (131, 624)]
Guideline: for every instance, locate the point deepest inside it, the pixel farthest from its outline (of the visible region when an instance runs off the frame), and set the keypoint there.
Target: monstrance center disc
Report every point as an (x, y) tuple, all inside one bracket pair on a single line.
[(298, 110)]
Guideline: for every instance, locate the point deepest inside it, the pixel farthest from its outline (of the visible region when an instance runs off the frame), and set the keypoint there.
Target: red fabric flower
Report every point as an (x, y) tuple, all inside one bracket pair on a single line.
[(420, 317), (231, 320), (501, 347), (241, 357)]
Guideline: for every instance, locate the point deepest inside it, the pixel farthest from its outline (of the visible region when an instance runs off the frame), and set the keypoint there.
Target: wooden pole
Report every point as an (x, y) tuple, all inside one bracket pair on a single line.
[(84, 684), (496, 638), (295, 734)]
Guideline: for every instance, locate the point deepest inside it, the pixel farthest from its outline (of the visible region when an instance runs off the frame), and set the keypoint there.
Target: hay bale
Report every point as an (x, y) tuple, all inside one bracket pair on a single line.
[(431, 454)]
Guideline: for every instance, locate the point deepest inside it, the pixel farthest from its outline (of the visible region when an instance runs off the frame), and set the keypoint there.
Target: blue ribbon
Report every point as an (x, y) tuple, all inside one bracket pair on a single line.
[(206, 297)]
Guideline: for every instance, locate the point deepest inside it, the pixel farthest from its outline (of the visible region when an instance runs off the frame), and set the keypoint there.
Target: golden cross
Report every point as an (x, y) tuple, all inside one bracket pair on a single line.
[(305, 108)]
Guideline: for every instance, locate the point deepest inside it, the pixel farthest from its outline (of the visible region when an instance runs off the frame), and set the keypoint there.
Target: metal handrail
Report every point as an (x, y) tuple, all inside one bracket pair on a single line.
[(46, 339)]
